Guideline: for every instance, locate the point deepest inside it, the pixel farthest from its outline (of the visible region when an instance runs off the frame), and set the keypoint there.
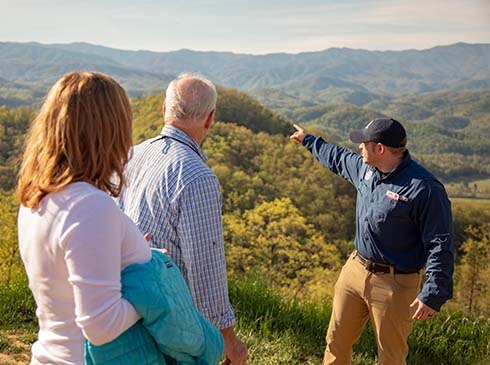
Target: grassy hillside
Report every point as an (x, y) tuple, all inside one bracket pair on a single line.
[(279, 332), (287, 221), (472, 189)]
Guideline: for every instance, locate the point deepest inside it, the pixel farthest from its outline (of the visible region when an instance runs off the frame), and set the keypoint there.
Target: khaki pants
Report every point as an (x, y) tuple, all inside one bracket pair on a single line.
[(385, 299)]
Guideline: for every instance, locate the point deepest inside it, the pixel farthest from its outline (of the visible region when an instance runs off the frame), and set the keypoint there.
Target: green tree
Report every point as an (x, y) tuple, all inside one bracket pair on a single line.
[(473, 289), (256, 167), (274, 240), (11, 267), (13, 125)]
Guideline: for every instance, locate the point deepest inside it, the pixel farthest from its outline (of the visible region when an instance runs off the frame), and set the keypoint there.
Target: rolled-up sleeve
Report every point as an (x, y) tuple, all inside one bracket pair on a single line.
[(436, 226), (200, 232)]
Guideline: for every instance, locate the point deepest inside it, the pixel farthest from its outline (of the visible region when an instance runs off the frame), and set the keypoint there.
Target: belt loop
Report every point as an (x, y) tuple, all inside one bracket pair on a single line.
[(354, 254)]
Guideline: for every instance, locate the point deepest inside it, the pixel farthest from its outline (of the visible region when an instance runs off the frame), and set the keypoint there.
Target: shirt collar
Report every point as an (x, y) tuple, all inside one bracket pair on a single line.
[(405, 162), (179, 134)]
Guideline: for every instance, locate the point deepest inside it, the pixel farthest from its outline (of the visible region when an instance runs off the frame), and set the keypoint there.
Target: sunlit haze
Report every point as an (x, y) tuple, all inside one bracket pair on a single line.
[(251, 26)]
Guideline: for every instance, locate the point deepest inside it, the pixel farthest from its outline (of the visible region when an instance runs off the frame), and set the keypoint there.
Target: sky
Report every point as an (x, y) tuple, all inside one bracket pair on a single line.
[(248, 26)]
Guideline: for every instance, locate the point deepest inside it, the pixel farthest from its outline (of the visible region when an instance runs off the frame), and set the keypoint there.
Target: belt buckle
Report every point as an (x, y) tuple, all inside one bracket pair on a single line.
[(371, 267)]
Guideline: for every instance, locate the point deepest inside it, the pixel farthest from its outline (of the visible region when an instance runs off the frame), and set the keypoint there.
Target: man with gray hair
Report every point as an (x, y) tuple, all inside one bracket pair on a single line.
[(175, 197)]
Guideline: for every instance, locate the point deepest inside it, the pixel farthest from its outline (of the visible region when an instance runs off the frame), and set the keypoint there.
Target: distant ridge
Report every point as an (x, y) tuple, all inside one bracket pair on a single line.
[(336, 74)]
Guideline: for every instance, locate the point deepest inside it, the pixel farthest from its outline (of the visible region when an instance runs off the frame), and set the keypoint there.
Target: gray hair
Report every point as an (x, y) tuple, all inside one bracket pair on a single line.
[(190, 96)]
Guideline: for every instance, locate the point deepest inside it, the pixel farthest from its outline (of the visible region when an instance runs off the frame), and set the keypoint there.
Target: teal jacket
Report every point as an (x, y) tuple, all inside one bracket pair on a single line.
[(171, 331)]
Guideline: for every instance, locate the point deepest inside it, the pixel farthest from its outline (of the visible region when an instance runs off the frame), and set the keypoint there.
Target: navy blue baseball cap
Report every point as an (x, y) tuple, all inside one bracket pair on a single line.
[(387, 131)]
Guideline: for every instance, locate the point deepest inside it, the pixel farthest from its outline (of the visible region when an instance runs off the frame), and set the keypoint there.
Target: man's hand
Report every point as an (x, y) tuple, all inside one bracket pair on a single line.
[(423, 311), (235, 351), (299, 135), (147, 237)]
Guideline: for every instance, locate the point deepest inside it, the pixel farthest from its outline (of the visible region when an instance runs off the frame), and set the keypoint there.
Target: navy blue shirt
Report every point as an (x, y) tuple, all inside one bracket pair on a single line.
[(402, 219)]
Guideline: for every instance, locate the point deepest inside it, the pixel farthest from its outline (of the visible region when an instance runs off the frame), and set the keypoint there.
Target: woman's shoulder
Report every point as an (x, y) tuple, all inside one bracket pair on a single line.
[(75, 194), (84, 197), (77, 202), (88, 210), (68, 198)]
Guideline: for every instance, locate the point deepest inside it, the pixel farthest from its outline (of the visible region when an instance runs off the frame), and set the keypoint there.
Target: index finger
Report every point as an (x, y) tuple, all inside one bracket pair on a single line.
[(298, 128)]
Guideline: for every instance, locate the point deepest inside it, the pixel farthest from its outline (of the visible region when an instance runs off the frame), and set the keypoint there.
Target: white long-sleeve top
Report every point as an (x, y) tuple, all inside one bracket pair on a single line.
[(74, 247)]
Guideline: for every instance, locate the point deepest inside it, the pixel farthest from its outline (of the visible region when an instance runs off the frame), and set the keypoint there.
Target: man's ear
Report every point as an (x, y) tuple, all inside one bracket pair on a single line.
[(163, 109), (210, 119), (381, 148)]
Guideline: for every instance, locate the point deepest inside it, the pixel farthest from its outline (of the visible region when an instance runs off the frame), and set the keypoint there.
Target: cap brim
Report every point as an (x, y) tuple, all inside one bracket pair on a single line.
[(357, 136)]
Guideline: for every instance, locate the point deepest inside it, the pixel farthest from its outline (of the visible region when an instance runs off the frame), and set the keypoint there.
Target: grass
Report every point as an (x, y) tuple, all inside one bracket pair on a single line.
[(18, 324), (451, 339), (483, 184), (470, 188), (17, 307), (278, 332), (8, 345), (294, 333), (15, 345), (473, 202)]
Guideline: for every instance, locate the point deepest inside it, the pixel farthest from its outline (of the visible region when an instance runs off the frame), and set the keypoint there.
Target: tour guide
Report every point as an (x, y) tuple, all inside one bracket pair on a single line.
[(403, 222)]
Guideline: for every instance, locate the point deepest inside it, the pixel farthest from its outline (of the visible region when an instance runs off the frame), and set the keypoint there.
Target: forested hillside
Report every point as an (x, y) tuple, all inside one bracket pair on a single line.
[(397, 72), (264, 175), (233, 106), (449, 132), (285, 216), (444, 105), (288, 226), (336, 75), (13, 125)]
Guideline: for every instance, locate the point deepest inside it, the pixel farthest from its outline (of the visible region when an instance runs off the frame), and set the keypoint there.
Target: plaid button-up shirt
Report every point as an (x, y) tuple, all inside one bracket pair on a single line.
[(173, 195)]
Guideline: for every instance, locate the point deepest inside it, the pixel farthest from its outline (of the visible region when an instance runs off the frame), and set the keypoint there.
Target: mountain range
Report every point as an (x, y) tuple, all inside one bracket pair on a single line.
[(339, 75)]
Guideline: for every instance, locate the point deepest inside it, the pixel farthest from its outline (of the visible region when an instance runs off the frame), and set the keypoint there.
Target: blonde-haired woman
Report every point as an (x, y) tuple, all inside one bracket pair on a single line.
[(73, 239)]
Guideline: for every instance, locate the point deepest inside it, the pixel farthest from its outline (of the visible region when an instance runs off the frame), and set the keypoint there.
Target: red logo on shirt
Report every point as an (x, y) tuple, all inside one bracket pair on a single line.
[(393, 196)]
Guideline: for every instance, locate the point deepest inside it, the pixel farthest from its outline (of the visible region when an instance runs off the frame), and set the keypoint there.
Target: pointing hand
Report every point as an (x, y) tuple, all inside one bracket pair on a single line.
[(298, 135)]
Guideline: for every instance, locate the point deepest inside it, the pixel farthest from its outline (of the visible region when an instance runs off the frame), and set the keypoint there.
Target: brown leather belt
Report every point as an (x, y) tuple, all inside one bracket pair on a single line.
[(377, 268)]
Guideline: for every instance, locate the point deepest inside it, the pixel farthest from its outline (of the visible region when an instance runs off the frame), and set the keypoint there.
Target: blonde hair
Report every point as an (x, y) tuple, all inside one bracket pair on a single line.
[(82, 133)]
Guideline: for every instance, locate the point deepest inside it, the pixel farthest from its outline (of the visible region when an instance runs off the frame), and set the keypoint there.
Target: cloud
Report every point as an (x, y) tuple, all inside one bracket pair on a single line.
[(423, 14), (252, 26)]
